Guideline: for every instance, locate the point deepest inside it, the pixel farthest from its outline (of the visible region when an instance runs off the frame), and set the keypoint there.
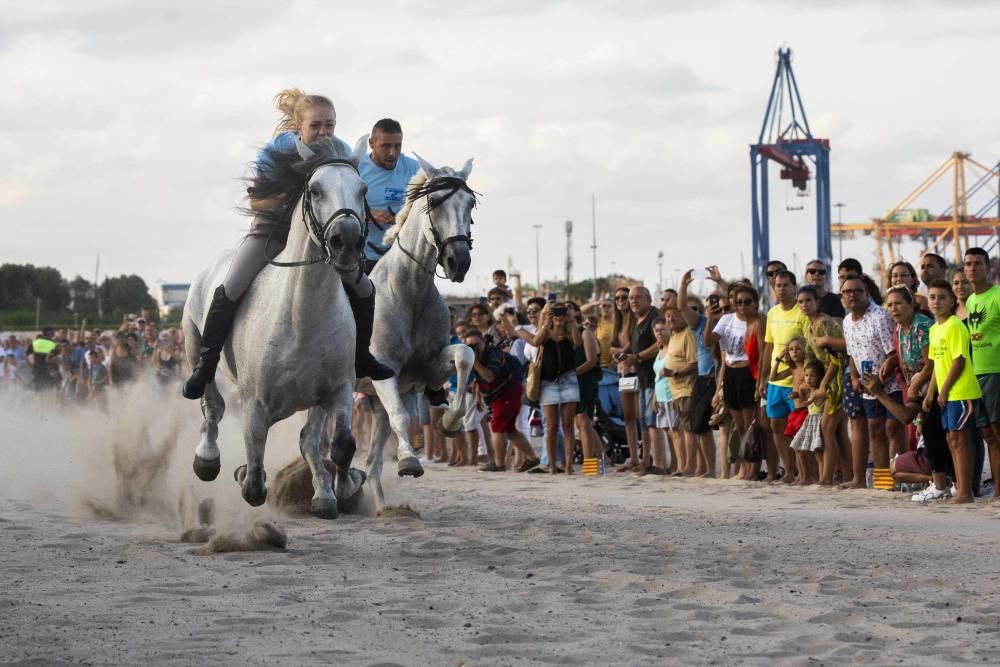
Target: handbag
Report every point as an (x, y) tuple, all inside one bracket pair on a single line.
[(628, 384), (752, 443), (533, 380)]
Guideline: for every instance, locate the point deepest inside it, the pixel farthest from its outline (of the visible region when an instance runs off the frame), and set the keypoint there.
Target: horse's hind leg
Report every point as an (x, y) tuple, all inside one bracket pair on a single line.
[(380, 431), (311, 438), (207, 458), (343, 446), (406, 459), (251, 477)]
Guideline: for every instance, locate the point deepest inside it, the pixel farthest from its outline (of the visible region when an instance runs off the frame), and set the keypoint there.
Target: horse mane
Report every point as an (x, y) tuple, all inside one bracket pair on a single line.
[(286, 173), (419, 179)]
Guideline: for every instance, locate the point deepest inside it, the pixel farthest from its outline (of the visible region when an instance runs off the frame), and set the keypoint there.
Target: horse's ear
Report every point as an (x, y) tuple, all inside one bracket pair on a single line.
[(465, 170), (304, 151), (428, 168), (360, 148)]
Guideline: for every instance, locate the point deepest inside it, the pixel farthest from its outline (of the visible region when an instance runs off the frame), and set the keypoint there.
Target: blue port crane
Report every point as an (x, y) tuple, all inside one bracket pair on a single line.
[(785, 138)]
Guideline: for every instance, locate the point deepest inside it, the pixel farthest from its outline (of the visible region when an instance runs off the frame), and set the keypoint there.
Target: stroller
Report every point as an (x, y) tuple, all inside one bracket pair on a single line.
[(608, 421)]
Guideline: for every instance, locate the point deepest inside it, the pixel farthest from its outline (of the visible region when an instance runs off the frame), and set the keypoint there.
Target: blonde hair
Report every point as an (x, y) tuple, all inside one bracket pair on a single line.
[(291, 102)]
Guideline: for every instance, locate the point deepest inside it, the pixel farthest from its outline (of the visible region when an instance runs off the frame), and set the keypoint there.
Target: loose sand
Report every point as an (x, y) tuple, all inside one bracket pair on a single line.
[(498, 569)]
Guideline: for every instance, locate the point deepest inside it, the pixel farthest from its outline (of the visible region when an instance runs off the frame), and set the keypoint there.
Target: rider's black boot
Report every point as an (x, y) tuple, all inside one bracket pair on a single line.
[(218, 324), (365, 365)]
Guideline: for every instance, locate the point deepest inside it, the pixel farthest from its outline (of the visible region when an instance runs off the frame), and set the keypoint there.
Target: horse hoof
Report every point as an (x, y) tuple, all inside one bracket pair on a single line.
[(254, 497), (207, 469), (324, 508), (362, 474), (351, 505), (409, 467), (441, 430)]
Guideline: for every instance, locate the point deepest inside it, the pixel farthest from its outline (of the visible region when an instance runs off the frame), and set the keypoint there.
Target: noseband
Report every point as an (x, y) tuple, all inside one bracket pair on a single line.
[(452, 184), (316, 231)]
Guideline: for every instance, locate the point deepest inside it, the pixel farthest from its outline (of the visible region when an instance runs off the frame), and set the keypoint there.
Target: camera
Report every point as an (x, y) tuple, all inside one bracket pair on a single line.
[(713, 300), (509, 310)]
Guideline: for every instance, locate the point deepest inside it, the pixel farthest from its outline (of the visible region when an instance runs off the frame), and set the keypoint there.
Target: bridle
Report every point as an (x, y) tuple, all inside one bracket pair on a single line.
[(317, 232), (452, 184)]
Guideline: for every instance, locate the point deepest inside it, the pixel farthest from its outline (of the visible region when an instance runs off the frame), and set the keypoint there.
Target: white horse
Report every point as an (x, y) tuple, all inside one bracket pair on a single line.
[(292, 346), (412, 322)]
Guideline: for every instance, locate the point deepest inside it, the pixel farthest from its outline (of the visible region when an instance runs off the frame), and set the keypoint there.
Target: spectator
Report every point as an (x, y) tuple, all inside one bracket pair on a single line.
[(703, 390), (903, 273), (165, 362), (642, 350), (124, 362), (668, 299), (955, 385), (558, 337), (500, 283), (868, 330), (829, 303), (681, 369), (605, 330), (851, 268), (478, 317), (43, 356), (808, 440), (784, 322), (825, 343), (773, 268), (962, 288), (667, 419), (737, 387), (983, 308), (588, 373), (624, 324), (498, 377), (932, 267)]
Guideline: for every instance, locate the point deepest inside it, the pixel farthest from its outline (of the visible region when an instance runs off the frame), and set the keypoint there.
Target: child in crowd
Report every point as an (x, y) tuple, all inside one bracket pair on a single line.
[(808, 442), (791, 363), (954, 387)]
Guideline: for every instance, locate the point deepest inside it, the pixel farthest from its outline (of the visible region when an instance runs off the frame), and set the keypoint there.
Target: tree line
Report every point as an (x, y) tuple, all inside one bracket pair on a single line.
[(25, 288)]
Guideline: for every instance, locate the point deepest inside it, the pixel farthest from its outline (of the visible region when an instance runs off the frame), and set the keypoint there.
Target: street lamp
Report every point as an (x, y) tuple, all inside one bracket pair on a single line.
[(840, 238), (538, 270)]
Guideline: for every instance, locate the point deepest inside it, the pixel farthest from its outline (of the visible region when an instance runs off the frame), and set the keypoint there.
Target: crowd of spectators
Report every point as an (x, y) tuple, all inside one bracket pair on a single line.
[(842, 386), (79, 365)]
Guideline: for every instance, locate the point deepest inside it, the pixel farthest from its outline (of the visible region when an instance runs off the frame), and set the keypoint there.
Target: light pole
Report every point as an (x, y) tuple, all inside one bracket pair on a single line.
[(840, 237), (659, 261), (538, 270)]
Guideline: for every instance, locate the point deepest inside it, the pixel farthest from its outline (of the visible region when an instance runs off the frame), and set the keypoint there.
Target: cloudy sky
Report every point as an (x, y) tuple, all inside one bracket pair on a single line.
[(125, 127)]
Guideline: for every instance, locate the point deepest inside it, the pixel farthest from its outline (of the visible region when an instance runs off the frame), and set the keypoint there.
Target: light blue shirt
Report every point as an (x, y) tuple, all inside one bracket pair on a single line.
[(706, 361), (386, 192), (284, 143)]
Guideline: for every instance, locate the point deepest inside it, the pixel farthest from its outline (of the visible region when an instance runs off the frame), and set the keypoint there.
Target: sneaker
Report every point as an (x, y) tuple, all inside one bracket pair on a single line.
[(930, 493), (954, 490)]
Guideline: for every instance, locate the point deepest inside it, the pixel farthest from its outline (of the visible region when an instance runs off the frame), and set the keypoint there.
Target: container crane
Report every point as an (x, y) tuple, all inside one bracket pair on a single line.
[(785, 138)]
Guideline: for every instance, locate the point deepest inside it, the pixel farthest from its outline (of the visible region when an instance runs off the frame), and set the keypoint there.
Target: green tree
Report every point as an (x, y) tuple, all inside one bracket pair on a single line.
[(126, 294), (83, 295), (22, 284)]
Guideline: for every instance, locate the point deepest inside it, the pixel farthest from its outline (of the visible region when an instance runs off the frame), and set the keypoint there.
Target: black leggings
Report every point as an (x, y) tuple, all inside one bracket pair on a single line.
[(935, 440)]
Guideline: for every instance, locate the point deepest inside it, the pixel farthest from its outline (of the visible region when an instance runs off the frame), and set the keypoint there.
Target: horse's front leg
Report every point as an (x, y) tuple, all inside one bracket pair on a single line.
[(207, 458), (343, 446), (311, 440), (251, 476), (380, 431), (406, 459), (460, 358)]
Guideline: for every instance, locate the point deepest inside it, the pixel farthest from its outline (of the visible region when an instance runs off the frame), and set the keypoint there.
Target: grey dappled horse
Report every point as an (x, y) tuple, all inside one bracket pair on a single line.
[(292, 345), (412, 322)]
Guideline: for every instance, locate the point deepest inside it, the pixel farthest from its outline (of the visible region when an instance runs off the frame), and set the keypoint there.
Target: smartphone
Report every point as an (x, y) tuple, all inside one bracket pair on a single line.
[(699, 274), (551, 296), (482, 299), (867, 368), (713, 300)]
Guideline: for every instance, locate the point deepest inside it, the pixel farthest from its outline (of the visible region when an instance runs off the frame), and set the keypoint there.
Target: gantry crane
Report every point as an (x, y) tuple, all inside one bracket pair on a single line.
[(954, 226), (785, 138)]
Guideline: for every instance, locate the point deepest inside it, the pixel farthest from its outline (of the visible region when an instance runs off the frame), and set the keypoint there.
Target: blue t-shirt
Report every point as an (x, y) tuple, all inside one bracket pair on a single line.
[(706, 362), (386, 192), (284, 143)]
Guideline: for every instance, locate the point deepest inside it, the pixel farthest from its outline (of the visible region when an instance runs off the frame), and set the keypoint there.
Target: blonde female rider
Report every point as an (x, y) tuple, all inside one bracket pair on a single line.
[(308, 118)]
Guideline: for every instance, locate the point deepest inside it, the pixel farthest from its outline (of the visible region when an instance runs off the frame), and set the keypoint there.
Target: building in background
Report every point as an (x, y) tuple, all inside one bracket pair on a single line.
[(172, 295)]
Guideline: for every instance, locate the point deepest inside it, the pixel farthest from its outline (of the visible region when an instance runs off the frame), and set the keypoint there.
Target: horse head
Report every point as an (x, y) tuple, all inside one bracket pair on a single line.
[(449, 216), (334, 201)]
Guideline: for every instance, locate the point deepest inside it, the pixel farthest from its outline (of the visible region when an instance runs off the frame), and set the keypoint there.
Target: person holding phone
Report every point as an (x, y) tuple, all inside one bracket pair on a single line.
[(703, 390), (869, 332)]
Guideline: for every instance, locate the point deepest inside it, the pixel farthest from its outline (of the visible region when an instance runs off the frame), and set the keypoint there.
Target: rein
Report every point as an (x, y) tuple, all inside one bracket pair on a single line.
[(317, 232), (452, 184)]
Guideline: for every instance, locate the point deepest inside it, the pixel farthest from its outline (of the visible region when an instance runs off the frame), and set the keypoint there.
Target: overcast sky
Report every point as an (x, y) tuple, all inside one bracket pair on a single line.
[(125, 126)]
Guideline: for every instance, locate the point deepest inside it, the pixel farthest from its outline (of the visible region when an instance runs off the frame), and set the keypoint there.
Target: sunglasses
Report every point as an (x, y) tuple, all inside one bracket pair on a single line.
[(771, 274), (816, 272), (534, 310), (743, 302), (621, 298)]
